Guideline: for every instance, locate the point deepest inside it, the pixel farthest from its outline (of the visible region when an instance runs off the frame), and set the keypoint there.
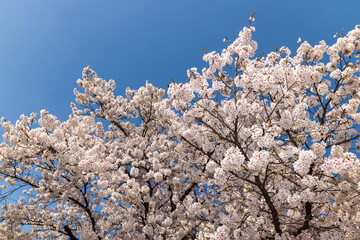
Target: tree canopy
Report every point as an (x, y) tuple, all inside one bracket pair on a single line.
[(251, 147)]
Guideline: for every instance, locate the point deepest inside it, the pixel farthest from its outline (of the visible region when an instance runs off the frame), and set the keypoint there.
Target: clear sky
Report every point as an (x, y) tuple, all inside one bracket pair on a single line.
[(44, 45)]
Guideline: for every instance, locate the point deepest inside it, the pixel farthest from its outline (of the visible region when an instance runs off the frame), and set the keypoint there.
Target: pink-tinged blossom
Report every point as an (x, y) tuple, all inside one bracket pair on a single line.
[(220, 176), (302, 165), (233, 160), (259, 161)]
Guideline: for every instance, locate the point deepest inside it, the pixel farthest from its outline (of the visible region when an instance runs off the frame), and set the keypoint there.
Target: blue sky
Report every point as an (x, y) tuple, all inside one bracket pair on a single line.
[(44, 44)]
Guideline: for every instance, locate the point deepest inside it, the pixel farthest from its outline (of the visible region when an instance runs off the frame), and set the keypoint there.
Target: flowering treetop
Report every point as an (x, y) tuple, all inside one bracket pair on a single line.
[(248, 148), (275, 130)]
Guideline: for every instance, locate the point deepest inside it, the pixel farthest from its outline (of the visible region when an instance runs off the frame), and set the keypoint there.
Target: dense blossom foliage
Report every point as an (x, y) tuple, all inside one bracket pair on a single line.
[(248, 148)]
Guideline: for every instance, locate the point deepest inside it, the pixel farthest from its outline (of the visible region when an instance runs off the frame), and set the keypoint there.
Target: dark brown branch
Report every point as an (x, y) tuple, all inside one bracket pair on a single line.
[(187, 192), (308, 217), (120, 127), (69, 233), (274, 213), (342, 142)]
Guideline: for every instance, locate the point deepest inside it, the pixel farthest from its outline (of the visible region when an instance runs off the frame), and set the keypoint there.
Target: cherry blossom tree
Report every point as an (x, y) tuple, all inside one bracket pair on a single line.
[(248, 148), (280, 134)]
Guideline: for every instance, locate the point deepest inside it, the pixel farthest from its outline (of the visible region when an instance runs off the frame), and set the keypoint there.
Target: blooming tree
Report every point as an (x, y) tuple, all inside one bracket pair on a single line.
[(248, 148), (85, 182)]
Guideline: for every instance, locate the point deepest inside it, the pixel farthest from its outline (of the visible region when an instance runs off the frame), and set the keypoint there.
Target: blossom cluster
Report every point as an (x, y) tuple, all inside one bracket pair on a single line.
[(249, 148), (233, 160)]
